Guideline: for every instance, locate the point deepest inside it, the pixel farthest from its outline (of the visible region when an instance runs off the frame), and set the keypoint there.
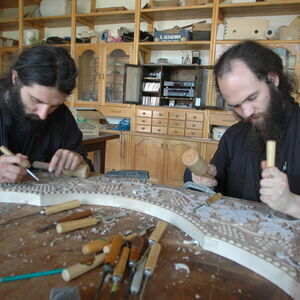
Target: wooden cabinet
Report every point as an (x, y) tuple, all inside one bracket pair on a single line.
[(161, 157), (7, 57), (101, 76)]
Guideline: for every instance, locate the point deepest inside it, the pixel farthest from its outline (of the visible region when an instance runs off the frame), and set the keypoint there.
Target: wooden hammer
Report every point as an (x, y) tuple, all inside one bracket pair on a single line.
[(83, 170), (195, 163)]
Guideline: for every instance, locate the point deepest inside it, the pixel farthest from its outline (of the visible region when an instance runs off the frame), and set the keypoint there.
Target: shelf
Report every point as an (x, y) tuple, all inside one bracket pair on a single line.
[(8, 25), (51, 22), (187, 45), (15, 3), (113, 17), (177, 13), (266, 42), (274, 8)]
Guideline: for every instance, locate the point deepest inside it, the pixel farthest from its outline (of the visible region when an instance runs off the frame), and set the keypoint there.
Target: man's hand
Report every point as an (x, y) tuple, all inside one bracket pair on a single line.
[(64, 159), (204, 180), (275, 191), (12, 168)]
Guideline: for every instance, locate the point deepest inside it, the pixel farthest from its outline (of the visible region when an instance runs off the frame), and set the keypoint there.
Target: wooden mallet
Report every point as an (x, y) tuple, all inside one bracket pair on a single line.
[(195, 163), (83, 170)]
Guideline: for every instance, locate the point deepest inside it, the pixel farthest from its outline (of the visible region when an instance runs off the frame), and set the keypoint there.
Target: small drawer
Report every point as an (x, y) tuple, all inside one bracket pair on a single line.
[(223, 119), (141, 121), (143, 128), (160, 122), (176, 131), (144, 113), (194, 117), (193, 125), (177, 115), (157, 129), (174, 123), (191, 132), (160, 114)]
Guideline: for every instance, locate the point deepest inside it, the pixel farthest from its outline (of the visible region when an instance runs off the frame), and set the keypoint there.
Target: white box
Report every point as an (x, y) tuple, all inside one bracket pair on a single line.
[(242, 29)]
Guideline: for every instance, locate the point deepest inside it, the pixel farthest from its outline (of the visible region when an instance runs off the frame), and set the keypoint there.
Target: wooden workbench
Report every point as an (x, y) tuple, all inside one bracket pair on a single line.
[(24, 251)]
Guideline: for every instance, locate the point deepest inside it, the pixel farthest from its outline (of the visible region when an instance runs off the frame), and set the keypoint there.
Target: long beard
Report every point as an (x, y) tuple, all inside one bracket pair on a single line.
[(272, 127), (24, 123)]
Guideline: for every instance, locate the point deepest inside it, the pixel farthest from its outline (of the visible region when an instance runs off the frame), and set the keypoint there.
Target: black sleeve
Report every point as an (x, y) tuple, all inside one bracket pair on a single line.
[(187, 175)]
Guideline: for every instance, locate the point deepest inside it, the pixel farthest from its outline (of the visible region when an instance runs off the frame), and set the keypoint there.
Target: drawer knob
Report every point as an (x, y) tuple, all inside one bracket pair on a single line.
[(158, 130)]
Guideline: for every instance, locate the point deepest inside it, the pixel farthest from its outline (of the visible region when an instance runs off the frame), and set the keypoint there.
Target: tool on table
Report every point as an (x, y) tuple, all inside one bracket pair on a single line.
[(150, 265), (119, 271), (109, 262), (83, 170), (30, 275), (49, 210), (195, 163), (210, 200), (153, 239), (83, 267), (6, 151), (86, 222), (137, 174), (75, 216), (136, 246), (96, 246)]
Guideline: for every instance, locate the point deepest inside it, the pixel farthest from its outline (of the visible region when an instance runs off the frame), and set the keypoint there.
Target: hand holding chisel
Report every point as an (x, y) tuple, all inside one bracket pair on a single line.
[(6, 151)]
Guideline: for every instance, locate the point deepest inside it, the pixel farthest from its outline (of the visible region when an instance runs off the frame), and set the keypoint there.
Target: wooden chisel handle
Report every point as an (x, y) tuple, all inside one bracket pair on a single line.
[(271, 151), (213, 198), (96, 246), (83, 170), (81, 268), (61, 207), (114, 250), (6, 151), (159, 230), (121, 265), (152, 258), (76, 216), (136, 248), (76, 224)]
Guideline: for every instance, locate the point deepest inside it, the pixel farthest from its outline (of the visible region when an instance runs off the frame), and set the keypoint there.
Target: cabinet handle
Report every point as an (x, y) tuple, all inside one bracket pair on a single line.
[(143, 121), (159, 122), (194, 117), (193, 125), (158, 130)]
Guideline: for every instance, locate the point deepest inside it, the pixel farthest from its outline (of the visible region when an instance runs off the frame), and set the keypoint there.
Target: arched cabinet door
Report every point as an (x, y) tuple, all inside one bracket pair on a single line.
[(7, 59), (116, 58), (89, 73)]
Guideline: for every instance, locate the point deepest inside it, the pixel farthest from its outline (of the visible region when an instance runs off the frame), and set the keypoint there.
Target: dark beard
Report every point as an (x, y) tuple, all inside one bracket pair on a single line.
[(272, 128), (24, 123)]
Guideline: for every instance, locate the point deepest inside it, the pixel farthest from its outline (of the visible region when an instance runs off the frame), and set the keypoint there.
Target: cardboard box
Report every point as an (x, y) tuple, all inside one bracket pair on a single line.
[(291, 32), (88, 120), (201, 31), (172, 35), (241, 29), (164, 3), (196, 2)]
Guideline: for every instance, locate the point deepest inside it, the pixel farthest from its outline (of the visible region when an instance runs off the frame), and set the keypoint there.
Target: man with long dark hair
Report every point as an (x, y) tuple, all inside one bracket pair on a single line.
[(250, 77), (34, 122)]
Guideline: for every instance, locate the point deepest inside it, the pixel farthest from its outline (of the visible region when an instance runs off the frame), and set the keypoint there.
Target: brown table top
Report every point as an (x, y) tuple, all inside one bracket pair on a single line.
[(210, 276)]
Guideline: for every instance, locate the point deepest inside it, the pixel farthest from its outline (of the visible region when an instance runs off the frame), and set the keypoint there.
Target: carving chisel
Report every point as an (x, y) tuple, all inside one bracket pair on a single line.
[(136, 246), (86, 222), (150, 265), (6, 151), (82, 170), (119, 271), (210, 200), (109, 262), (49, 210), (75, 216)]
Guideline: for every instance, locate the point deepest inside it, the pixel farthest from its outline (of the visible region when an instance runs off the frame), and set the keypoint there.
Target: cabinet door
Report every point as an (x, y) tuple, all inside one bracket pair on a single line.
[(89, 76), (147, 154), (173, 166), (116, 58)]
